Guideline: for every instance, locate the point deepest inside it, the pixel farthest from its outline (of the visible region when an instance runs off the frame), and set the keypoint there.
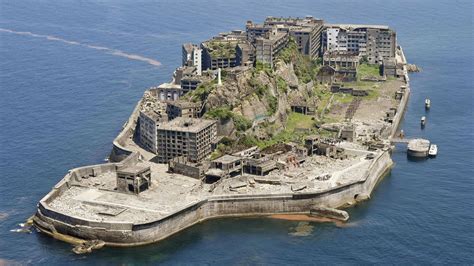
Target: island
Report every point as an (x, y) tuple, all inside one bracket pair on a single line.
[(290, 116)]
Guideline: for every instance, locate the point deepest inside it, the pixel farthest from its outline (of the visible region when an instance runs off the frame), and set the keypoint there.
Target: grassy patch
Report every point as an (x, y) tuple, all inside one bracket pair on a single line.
[(201, 92), (297, 120), (343, 97), (222, 49), (305, 68), (366, 70), (223, 113)]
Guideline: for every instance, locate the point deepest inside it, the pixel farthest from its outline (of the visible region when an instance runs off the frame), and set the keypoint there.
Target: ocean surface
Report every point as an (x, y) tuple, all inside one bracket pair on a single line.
[(71, 72)]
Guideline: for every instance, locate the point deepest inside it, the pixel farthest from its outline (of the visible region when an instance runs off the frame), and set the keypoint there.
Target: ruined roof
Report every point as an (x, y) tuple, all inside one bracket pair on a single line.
[(169, 86), (185, 124), (134, 169), (227, 159)]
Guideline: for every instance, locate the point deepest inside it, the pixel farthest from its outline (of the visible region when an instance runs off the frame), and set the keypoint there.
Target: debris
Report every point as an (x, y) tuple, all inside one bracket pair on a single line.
[(329, 213), (88, 246), (298, 187), (238, 184)]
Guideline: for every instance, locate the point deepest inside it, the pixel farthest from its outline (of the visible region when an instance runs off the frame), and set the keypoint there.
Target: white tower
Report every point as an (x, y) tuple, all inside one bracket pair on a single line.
[(219, 80)]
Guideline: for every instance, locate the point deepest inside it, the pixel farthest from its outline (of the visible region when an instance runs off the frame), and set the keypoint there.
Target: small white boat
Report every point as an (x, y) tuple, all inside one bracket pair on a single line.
[(427, 104), (423, 121), (433, 150)]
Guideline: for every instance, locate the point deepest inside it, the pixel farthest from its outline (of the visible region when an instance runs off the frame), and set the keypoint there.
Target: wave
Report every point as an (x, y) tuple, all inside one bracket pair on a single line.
[(107, 50)]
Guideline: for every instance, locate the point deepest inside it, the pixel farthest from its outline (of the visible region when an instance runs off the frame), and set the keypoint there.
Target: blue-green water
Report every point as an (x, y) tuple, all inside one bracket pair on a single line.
[(62, 103)]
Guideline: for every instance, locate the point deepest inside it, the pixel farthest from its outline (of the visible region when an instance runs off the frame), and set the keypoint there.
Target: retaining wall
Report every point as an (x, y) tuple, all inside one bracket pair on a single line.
[(127, 234), (119, 151)]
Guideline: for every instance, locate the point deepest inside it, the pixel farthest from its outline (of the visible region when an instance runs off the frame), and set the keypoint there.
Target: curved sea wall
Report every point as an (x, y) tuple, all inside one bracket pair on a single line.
[(128, 234), (119, 151)]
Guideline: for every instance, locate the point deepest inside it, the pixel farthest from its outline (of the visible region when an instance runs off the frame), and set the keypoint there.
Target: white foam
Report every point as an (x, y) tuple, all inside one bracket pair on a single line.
[(110, 51)]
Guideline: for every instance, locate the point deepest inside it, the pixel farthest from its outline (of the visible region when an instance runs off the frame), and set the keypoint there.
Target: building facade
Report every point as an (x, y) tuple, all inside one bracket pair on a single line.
[(182, 108), (375, 42), (149, 121), (305, 31), (189, 137), (268, 46)]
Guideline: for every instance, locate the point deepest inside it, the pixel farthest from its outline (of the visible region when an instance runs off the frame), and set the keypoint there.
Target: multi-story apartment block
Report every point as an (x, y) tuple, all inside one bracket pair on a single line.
[(268, 46), (181, 108), (192, 56), (149, 121), (375, 42), (305, 31), (189, 137)]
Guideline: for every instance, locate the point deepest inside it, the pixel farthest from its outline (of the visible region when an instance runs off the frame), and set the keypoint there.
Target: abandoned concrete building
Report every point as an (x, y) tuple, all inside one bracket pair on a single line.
[(220, 51), (192, 56), (168, 92), (182, 108), (181, 165), (149, 121), (305, 31), (260, 166), (224, 167), (189, 137), (389, 67), (134, 179), (347, 133), (303, 105), (340, 59), (375, 42), (245, 53), (268, 45), (324, 146)]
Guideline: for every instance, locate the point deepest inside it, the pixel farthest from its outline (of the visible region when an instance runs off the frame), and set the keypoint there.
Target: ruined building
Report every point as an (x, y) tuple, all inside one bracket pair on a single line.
[(189, 137), (375, 42), (267, 46), (305, 31)]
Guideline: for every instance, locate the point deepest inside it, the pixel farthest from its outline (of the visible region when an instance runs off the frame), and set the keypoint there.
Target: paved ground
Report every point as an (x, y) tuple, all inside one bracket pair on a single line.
[(95, 198)]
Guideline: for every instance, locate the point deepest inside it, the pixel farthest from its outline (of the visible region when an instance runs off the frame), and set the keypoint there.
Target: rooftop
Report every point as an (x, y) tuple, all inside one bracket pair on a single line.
[(134, 169), (185, 124), (227, 159), (356, 26), (169, 86)]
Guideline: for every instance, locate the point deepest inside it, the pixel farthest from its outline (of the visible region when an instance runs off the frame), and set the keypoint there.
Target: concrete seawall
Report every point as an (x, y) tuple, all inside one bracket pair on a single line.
[(127, 234), (119, 151), (404, 101)]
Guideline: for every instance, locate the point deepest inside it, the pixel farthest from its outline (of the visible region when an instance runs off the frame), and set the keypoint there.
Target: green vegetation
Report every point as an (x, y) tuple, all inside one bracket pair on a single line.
[(281, 85), (305, 68), (366, 70), (373, 94), (343, 97), (272, 104), (260, 66), (297, 126), (224, 113), (299, 121), (201, 92), (221, 49), (287, 54)]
